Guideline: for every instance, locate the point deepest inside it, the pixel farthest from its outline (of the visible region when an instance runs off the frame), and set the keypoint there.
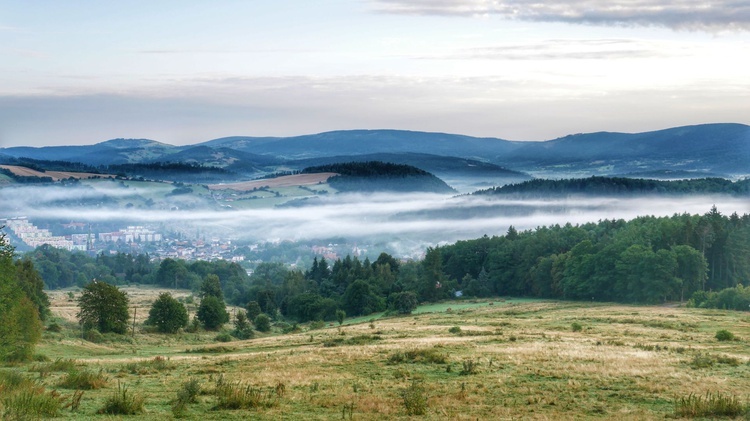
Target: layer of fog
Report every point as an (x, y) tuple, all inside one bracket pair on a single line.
[(400, 220)]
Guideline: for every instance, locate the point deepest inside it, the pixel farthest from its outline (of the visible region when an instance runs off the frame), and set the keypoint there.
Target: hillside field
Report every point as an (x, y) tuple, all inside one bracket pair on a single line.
[(501, 359)]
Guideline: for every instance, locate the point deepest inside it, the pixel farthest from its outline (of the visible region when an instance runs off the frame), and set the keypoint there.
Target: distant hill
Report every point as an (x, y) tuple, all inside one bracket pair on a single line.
[(362, 142), (702, 149), (380, 176)]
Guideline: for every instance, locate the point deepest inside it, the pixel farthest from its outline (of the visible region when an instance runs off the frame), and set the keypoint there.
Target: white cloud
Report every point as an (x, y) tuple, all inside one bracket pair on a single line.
[(712, 16)]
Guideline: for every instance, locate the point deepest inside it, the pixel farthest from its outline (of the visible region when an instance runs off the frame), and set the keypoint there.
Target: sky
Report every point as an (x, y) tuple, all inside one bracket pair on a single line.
[(184, 72)]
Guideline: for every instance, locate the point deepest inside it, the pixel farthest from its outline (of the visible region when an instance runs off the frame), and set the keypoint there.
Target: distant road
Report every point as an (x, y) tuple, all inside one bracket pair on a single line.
[(283, 181)]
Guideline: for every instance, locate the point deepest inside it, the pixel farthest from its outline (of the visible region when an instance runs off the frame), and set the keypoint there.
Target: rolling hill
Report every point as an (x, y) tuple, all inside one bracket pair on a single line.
[(700, 149)]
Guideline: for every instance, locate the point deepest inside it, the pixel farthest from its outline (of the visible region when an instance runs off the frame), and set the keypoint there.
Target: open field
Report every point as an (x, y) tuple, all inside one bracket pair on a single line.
[(504, 359), (283, 181), (55, 175)]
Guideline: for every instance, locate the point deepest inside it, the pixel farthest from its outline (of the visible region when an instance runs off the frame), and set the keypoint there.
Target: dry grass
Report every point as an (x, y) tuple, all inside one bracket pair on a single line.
[(56, 175), (283, 181), (626, 362)]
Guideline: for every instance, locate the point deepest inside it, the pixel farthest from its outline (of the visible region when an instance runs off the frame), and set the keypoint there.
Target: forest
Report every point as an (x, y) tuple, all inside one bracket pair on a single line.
[(645, 260), (619, 186), (380, 176)]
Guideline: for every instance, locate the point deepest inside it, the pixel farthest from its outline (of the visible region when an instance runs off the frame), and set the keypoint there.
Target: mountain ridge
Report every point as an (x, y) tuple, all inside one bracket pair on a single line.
[(703, 148)]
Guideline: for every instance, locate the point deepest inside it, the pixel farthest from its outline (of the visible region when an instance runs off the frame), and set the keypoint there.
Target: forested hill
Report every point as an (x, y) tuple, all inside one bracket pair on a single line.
[(380, 176), (647, 259), (609, 186)]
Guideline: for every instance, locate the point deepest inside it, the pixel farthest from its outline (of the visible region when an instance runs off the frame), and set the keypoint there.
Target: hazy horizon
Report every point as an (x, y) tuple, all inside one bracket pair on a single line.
[(185, 72)]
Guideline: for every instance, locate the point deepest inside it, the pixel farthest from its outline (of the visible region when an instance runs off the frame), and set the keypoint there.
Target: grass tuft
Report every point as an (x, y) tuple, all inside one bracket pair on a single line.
[(425, 356), (236, 395), (84, 380), (122, 402), (710, 405)]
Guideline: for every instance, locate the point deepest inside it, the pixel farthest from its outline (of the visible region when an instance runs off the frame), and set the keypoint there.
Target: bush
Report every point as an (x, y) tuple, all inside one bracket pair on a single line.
[(455, 329), (711, 405), (224, 337), (576, 327), (414, 398), (262, 323), (724, 335), (121, 402), (54, 327), (93, 335), (317, 324), (186, 395), (469, 367)]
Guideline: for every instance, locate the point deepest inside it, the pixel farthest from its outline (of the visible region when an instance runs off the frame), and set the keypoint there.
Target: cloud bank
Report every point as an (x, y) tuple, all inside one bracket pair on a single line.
[(711, 16), (418, 220)]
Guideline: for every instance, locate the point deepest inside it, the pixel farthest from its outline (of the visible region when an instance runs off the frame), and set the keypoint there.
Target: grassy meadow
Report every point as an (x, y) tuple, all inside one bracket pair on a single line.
[(502, 359)]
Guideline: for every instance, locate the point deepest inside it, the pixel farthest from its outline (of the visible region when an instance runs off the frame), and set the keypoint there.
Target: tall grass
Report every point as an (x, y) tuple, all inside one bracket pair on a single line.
[(236, 395), (84, 380), (710, 405), (22, 399), (426, 356), (122, 402)]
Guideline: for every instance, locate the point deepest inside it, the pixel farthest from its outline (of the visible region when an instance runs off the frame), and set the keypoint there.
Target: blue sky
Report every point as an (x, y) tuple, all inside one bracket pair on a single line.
[(181, 72)]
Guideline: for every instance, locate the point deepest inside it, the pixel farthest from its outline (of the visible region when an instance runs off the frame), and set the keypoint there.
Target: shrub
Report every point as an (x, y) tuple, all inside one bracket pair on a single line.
[(224, 337), (121, 402), (317, 324), (186, 395), (455, 329), (84, 380), (469, 367), (702, 361), (93, 335), (576, 327), (414, 398), (54, 327), (724, 335), (262, 323), (710, 405)]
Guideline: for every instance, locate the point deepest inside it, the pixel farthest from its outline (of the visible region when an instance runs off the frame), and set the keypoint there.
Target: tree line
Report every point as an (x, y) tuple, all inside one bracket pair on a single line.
[(645, 260), (23, 306), (603, 186)]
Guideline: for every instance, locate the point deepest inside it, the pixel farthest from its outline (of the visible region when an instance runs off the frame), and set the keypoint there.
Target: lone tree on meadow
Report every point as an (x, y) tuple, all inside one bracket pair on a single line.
[(103, 307), (167, 314), (212, 312)]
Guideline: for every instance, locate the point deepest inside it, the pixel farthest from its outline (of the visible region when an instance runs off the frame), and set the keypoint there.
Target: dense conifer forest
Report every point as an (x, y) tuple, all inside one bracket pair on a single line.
[(380, 176), (619, 186)]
